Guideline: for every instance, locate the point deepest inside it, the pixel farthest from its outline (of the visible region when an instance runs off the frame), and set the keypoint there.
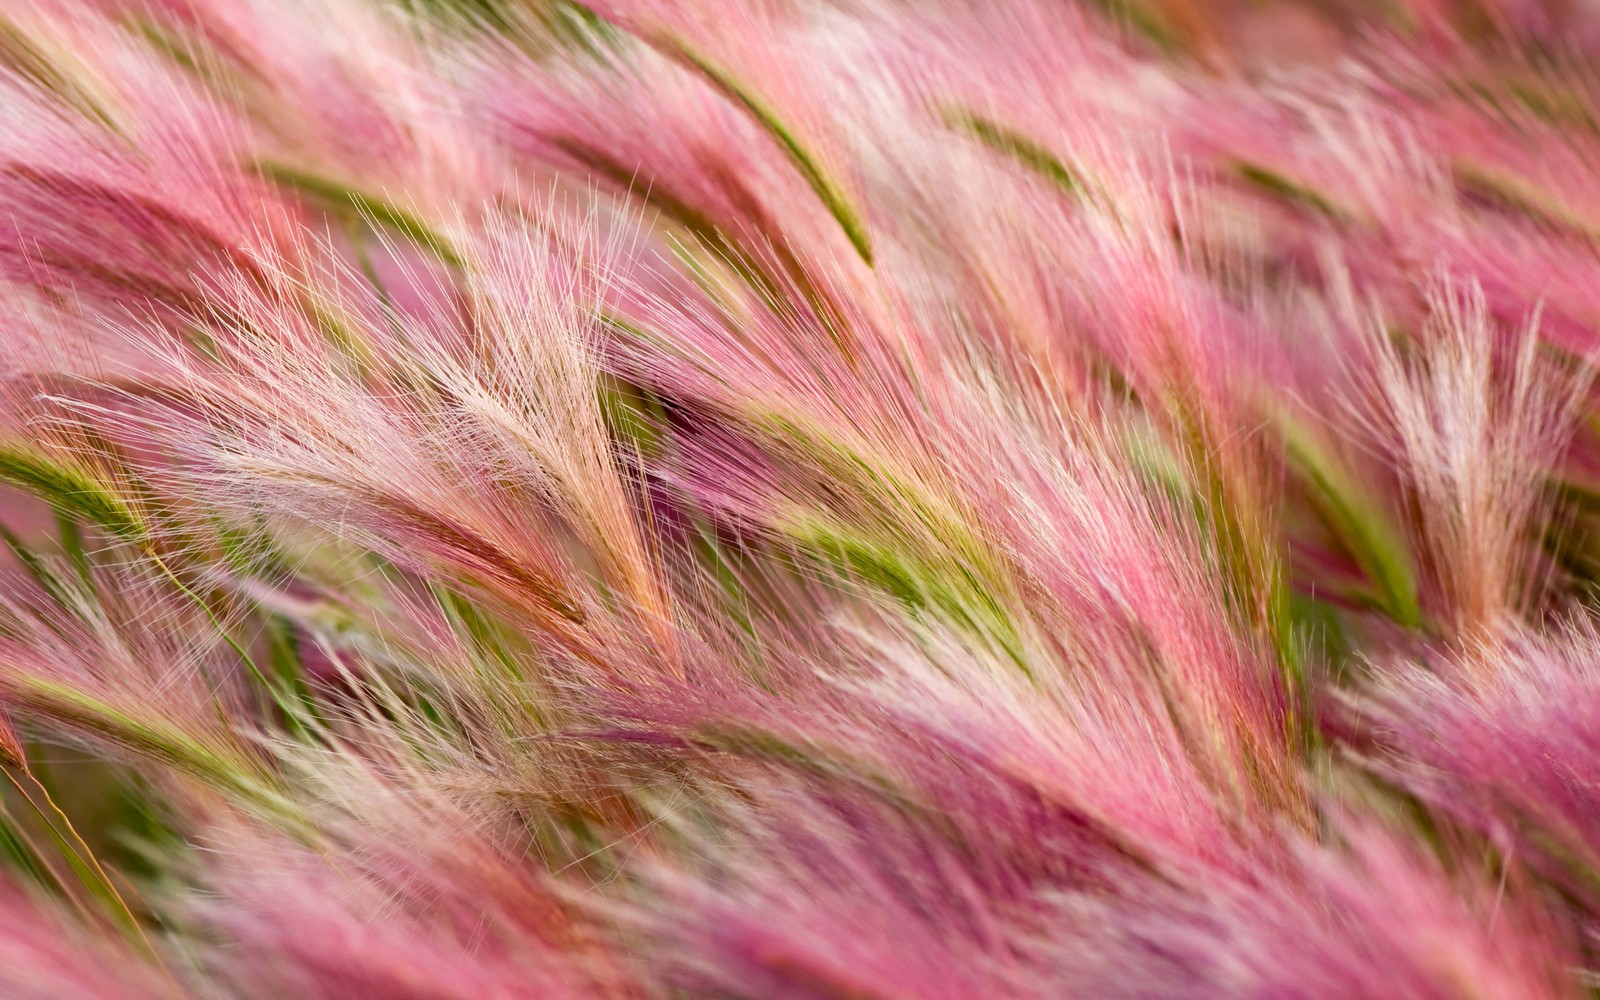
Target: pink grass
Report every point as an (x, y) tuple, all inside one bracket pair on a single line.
[(798, 499)]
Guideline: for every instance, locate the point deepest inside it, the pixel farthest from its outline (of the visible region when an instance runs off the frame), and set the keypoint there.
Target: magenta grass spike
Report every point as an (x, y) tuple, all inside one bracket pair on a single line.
[(799, 499)]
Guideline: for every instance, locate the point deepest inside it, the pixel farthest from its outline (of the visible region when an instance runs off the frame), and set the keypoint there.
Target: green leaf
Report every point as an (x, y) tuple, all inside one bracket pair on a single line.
[(1284, 189), (1019, 147), (69, 490), (764, 114), (1360, 524), (343, 198)]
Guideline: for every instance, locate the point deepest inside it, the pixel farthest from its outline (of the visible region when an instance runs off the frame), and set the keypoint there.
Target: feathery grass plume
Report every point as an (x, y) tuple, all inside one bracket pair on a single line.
[(387, 906), (128, 663), (1370, 917), (798, 498), (46, 957), (1476, 420), (1481, 746)]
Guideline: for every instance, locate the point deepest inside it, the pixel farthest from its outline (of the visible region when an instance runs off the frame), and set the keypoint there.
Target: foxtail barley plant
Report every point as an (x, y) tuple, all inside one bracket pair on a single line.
[(799, 499)]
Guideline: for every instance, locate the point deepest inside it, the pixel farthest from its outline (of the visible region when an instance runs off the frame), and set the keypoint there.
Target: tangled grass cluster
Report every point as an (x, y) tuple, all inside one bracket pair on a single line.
[(799, 499)]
